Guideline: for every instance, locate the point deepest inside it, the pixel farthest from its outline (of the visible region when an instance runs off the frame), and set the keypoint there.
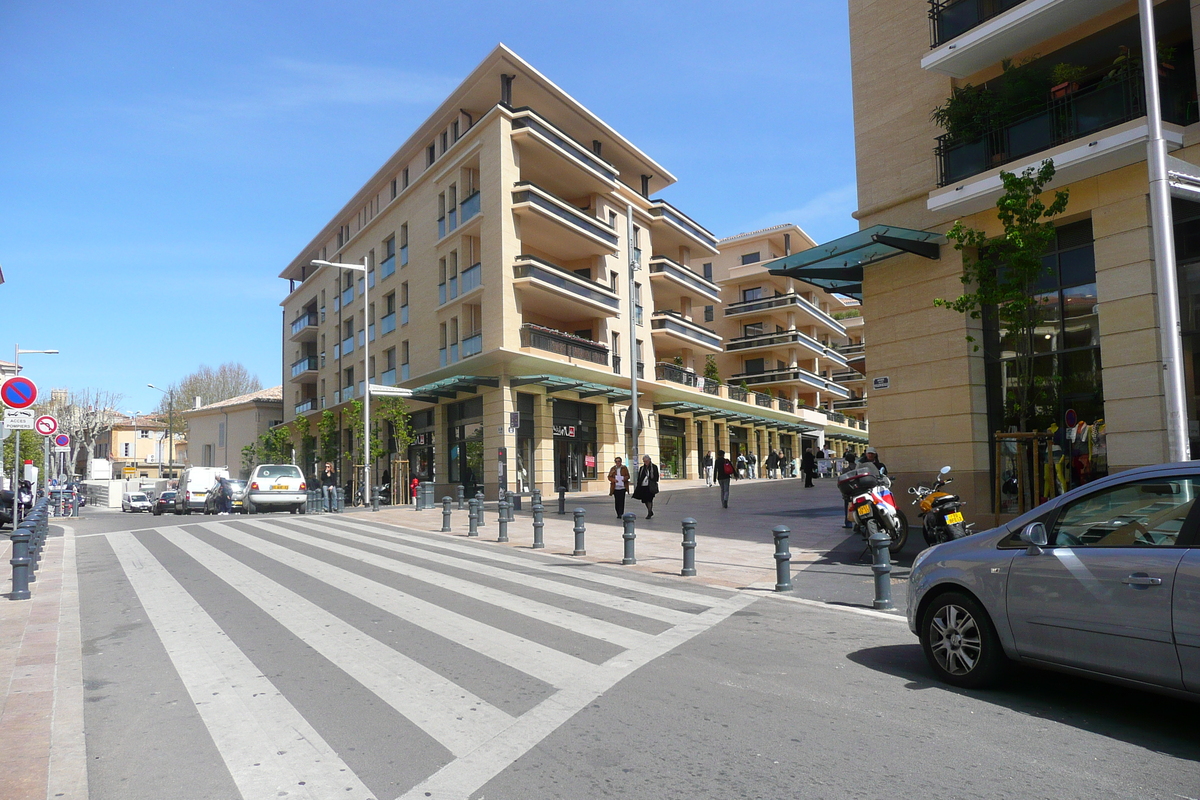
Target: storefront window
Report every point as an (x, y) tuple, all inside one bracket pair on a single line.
[(524, 469), (465, 422), (575, 450), (672, 459)]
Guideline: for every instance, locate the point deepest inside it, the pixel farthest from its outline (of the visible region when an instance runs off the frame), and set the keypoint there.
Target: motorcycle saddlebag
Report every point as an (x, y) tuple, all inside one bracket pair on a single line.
[(859, 479)]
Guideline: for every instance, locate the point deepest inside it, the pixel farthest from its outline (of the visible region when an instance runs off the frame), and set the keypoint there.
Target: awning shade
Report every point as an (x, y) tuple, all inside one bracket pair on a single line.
[(554, 383), (837, 266), (697, 410), (450, 387)]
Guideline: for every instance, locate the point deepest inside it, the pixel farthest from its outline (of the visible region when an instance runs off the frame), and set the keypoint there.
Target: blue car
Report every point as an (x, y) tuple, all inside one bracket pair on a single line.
[(1103, 581)]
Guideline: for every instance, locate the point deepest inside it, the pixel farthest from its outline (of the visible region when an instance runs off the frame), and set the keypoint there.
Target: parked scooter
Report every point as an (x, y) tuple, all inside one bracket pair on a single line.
[(940, 511), (872, 505)]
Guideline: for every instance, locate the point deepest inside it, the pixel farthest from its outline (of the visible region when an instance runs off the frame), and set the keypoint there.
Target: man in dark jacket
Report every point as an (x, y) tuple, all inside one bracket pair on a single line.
[(872, 457), (647, 485), (808, 465)]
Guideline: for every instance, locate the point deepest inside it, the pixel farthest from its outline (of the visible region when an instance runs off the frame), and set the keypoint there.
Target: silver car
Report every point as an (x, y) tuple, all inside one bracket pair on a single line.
[(1103, 581), (275, 487)]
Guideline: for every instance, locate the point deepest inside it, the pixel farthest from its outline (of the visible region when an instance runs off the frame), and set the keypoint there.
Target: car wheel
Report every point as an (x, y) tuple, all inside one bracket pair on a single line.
[(960, 642), (302, 508), (250, 507)]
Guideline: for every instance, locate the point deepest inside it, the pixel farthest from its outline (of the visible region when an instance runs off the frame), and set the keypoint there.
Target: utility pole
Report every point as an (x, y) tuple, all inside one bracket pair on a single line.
[(634, 266)]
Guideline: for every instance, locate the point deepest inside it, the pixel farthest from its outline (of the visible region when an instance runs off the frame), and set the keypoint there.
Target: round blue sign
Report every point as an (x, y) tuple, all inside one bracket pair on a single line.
[(18, 392)]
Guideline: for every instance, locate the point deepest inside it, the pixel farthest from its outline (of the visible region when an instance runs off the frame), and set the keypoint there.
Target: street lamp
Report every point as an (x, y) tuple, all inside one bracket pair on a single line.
[(170, 393), (17, 352)]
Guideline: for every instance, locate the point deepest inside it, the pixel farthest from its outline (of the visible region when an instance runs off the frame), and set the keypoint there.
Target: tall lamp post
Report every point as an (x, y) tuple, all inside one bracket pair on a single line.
[(366, 490), (170, 393), (17, 352)]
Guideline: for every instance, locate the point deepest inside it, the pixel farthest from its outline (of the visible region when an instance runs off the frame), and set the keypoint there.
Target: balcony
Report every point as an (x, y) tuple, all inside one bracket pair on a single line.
[(305, 370), (783, 339), (469, 208), (675, 331), (471, 278), (1085, 112), (388, 378), (304, 327), (672, 228), (558, 228), (557, 161), (472, 344), (789, 375), (851, 404), (308, 405), (676, 374), (848, 376), (969, 35), (549, 289), (347, 346), (563, 344), (678, 280), (785, 302), (387, 267), (387, 324), (347, 295)]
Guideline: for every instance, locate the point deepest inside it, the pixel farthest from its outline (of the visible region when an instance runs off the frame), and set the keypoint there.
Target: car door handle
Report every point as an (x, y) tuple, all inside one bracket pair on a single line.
[(1142, 580)]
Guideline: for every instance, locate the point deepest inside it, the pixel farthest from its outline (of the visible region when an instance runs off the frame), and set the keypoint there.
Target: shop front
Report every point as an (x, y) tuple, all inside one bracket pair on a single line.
[(524, 469), (739, 443), (465, 438), (575, 451), (421, 454), (672, 452)]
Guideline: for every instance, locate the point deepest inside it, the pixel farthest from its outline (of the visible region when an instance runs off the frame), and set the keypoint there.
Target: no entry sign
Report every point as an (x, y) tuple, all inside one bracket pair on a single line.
[(18, 392)]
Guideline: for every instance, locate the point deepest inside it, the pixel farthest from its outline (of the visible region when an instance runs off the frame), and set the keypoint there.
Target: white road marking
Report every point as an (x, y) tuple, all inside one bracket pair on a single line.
[(464, 776), (269, 748), (457, 719), (67, 772), (542, 662)]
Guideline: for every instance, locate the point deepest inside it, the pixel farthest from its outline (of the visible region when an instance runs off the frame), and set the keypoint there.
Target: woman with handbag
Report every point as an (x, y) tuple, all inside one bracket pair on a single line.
[(725, 473), (618, 485), (647, 485)]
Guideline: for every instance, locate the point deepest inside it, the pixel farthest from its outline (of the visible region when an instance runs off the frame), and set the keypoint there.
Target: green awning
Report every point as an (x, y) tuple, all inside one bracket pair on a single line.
[(555, 383), (697, 410), (450, 387), (837, 266)]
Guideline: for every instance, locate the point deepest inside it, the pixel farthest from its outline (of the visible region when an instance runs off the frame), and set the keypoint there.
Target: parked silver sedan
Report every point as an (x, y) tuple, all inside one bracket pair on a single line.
[(1103, 581)]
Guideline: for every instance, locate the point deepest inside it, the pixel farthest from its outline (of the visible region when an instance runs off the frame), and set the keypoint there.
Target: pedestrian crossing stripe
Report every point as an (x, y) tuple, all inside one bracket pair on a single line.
[(266, 743)]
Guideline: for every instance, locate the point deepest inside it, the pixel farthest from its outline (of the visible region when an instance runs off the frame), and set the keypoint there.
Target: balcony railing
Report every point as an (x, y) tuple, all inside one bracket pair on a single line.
[(404, 256), (347, 295), (404, 314), (347, 346), (387, 267), (472, 345), (469, 207), (308, 405), (673, 321), (711, 387), (441, 227), (537, 196), (389, 378), (304, 365), (528, 119), (782, 301), (302, 322), (665, 266), (664, 210), (949, 19), (1084, 112), (616, 364), (471, 277), (675, 374), (764, 400), (853, 402), (563, 344), (545, 272), (387, 324), (786, 405), (451, 219), (738, 393)]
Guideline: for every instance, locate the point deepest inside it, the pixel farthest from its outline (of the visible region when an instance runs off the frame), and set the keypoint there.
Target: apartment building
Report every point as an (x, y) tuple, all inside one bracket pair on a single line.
[(1059, 79), (497, 242), (219, 431), (788, 338), (136, 446)]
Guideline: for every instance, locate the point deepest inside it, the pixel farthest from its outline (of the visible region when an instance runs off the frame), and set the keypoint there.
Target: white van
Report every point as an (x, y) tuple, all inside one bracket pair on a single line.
[(194, 484)]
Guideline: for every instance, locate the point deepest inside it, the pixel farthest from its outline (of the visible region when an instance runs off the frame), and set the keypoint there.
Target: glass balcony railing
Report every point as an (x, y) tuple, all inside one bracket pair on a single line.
[(563, 344), (404, 256), (304, 365), (371, 279), (949, 19), (347, 296), (451, 219), (387, 324), (347, 393), (471, 278), (454, 353), (389, 378), (404, 372), (1084, 112), (347, 346), (371, 332), (535, 195), (308, 405), (441, 227), (469, 208), (472, 345), (665, 266), (676, 323), (442, 298), (442, 357), (528, 119), (387, 267), (545, 272), (404, 315), (302, 322)]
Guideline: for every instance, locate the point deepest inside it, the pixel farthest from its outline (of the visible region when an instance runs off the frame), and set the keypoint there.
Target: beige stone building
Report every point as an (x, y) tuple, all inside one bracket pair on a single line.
[(1099, 341), (498, 240), (135, 445), (217, 432)]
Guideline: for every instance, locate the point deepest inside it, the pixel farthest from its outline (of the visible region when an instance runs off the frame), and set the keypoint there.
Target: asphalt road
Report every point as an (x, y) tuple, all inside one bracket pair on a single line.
[(283, 656)]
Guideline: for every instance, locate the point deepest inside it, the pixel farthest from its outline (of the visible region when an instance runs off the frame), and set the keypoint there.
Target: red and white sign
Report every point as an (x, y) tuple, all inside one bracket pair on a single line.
[(18, 392), (62, 440), (45, 425)]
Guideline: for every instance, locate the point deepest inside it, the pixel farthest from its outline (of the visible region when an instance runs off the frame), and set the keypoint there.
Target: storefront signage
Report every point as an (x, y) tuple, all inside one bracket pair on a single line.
[(565, 430), (589, 461), (423, 439)]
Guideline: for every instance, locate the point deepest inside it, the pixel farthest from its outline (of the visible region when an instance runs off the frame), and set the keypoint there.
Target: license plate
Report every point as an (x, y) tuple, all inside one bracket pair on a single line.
[(864, 511), (953, 518), (279, 487)]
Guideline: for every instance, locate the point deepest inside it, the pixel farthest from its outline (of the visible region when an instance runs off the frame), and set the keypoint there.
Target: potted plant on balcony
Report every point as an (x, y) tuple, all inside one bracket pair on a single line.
[(1065, 78)]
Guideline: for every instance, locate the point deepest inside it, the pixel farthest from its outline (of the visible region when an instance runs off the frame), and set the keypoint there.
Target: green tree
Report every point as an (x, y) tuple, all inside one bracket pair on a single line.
[(1001, 275), (394, 411), (711, 373), (327, 436), (307, 443), (250, 459), (210, 385)]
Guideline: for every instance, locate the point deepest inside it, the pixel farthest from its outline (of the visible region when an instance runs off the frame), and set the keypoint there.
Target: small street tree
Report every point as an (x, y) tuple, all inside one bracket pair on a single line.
[(327, 436), (305, 441), (394, 411), (1001, 275), (711, 373), (87, 415)]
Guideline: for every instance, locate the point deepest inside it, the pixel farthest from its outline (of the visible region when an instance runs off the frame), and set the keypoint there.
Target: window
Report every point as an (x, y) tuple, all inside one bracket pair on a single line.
[(404, 360), (404, 303), (441, 217), (454, 130), (753, 329), (1140, 514), (393, 197), (755, 365), (708, 271), (387, 267), (221, 434), (430, 155), (751, 294), (143, 434), (709, 313), (750, 258), (404, 244), (445, 141)]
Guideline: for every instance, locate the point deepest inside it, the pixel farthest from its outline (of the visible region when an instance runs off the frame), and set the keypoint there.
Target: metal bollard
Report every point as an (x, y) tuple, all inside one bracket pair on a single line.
[(535, 499), (375, 497), (419, 499), (579, 532), (882, 567), (562, 499), (783, 559), (511, 498), (458, 490), (502, 510), (689, 548), (430, 498), (472, 518), (538, 543), (446, 514), (20, 564), (629, 536)]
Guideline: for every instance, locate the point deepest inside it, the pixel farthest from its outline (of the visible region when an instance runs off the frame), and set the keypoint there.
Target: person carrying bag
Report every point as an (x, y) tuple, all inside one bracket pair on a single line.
[(618, 485), (647, 485)]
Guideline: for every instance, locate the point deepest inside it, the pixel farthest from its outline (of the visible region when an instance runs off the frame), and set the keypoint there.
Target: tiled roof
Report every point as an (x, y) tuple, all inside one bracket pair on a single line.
[(757, 232), (271, 395)]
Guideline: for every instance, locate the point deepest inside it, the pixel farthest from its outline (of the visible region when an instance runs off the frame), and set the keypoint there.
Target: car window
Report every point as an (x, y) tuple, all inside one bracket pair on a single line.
[(1147, 513), (137, 497), (279, 471)]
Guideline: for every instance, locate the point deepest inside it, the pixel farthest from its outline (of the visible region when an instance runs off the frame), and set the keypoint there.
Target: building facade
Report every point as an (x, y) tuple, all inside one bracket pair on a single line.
[(217, 432), (498, 242), (135, 446), (1062, 81)]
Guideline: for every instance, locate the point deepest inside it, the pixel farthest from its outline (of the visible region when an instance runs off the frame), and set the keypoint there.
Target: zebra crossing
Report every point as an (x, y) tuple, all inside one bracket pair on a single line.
[(489, 649)]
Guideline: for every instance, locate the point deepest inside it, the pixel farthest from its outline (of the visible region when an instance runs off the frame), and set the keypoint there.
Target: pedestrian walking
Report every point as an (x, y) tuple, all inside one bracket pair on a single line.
[(752, 465), (224, 496), (808, 466), (741, 465), (848, 458), (708, 468), (328, 486), (772, 465), (725, 472), (647, 485), (618, 484)]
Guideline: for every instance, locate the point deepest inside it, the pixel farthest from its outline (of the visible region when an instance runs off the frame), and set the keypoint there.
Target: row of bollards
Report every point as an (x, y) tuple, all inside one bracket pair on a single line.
[(28, 539), (879, 542)]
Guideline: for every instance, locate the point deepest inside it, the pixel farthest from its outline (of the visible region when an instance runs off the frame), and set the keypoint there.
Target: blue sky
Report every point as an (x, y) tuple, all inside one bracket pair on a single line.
[(162, 164)]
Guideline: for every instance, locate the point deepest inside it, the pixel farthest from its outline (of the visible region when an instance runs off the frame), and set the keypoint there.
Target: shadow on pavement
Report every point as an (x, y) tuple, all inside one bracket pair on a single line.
[(1143, 718)]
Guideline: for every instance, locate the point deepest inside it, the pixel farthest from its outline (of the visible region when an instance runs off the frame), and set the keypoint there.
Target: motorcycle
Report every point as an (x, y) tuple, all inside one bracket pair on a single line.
[(873, 506), (941, 512)]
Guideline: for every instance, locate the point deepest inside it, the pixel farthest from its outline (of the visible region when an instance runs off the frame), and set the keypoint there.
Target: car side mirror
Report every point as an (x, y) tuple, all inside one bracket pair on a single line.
[(1034, 535)]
